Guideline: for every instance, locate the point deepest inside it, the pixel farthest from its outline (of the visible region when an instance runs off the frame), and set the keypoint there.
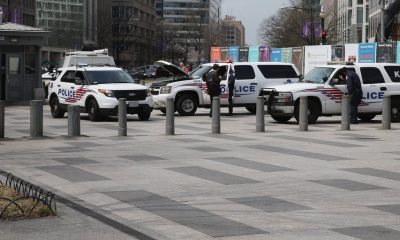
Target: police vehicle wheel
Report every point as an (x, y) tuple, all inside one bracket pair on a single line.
[(55, 107), (396, 112), (186, 105), (281, 119), (144, 116), (93, 111), (164, 111), (366, 117), (314, 110), (252, 109)]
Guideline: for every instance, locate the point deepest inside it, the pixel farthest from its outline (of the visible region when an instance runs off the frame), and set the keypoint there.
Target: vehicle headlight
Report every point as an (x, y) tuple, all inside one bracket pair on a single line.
[(108, 93), (165, 90), (148, 92), (283, 97)]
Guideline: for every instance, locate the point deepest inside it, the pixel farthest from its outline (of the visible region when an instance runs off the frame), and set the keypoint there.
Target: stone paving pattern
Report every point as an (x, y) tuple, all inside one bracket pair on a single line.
[(324, 184)]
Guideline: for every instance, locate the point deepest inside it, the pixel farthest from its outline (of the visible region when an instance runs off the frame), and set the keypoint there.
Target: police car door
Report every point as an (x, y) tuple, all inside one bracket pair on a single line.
[(374, 88), (224, 72), (334, 93), (66, 87), (246, 85)]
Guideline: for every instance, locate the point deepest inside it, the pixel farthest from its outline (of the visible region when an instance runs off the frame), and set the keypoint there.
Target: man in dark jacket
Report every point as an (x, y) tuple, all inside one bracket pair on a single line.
[(231, 88), (213, 84), (354, 90)]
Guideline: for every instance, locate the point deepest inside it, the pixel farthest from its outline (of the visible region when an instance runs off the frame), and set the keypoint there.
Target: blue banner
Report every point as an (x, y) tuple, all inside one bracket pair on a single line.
[(367, 52), (234, 53), (276, 55), (253, 54)]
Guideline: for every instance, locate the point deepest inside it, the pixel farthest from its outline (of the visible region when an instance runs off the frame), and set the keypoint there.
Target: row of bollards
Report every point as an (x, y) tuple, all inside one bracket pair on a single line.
[(74, 129)]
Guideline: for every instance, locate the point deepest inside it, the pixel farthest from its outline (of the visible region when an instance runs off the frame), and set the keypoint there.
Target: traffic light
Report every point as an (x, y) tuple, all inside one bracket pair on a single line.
[(323, 37)]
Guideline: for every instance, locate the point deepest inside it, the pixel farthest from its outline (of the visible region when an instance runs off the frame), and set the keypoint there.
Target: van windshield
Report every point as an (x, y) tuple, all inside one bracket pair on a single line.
[(107, 77), (199, 71), (318, 75)]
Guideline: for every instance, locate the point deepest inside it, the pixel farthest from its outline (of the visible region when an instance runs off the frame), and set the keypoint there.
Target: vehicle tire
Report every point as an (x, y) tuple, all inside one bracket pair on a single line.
[(251, 109), (186, 105), (366, 117), (396, 111), (164, 111), (55, 107), (93, 111), (281, 119), (144, 116), (314, 110)]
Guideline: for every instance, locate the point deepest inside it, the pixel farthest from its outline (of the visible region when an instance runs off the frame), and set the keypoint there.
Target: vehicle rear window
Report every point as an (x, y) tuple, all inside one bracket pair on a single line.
[(244, 72), (393, 72), (371, 75), (277, 71)]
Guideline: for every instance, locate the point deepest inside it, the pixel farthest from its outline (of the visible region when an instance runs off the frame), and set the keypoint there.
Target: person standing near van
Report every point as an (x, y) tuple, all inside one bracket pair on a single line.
[(354, 90), (213, 84), (231, 88)]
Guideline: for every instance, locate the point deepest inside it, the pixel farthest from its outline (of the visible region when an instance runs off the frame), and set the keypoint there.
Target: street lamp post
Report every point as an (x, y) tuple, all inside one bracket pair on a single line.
[(382, 3)]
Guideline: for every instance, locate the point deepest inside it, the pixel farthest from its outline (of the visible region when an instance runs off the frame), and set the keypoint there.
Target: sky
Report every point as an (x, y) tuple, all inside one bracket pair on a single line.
[(251, 13)]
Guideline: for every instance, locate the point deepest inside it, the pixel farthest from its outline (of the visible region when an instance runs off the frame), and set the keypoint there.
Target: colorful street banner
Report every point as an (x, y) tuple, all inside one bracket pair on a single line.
[(276, 55), (287, 55), (233, 52), (215, 54), (337, 53), (398, 52), (385, 52), (309, 29), (263, 54), (351, 52), (253, 54), (297, 57), (316, 56), (366, 52), (243, 54), (224, 54)]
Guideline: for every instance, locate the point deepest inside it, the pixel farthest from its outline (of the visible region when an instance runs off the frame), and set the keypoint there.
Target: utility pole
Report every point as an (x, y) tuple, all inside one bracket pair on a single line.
[(383, 39)]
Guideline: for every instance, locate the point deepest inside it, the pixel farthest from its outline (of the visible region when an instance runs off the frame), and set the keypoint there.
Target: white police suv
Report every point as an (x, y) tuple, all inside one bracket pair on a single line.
[(190, 91), (97, 90), (324, 92)]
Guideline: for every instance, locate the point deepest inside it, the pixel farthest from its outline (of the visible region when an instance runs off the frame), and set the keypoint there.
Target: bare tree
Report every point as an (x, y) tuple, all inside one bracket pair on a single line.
[(288, 27)]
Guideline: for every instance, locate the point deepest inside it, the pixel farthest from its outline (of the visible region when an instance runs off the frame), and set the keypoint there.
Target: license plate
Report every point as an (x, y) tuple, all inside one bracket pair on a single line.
[(133, 104)]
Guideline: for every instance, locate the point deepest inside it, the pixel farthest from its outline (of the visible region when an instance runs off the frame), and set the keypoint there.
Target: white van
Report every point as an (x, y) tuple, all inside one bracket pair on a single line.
[(190, 91)]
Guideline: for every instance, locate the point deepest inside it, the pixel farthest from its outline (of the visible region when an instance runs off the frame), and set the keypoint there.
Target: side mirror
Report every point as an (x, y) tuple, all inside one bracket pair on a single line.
[(301, 77), (334, 81), (78, 81)]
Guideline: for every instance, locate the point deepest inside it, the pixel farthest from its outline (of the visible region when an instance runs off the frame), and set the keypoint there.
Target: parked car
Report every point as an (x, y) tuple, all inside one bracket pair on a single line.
[(324, 92), (190, 91)]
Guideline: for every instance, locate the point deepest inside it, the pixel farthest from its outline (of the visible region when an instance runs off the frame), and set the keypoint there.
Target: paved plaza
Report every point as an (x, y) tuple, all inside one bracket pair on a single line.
[(325, 184)]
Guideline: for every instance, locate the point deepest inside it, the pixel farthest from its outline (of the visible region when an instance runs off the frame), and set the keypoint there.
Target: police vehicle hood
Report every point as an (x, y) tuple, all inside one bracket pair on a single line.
[(121, 86), (173, 69), (295, 87)]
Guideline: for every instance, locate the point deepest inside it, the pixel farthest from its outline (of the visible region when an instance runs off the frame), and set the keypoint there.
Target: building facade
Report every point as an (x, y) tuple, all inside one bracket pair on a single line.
[(127, 28), (18, 11), (193, 23), (352, 21), (233, 31), (64, 19)]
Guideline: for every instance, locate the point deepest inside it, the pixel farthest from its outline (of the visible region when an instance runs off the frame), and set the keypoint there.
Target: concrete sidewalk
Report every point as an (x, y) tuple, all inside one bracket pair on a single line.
[(281, 184)]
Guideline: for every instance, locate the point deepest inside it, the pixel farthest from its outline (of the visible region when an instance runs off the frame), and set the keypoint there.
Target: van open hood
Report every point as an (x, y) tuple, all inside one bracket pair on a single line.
[(173, 69)]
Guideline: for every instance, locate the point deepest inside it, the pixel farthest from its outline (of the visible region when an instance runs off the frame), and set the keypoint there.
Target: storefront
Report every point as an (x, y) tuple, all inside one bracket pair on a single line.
[(20, 61)]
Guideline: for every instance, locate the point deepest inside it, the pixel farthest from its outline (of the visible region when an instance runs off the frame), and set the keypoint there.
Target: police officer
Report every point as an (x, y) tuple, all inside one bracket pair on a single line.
[(213, 84), (354, 90), (231, 88)]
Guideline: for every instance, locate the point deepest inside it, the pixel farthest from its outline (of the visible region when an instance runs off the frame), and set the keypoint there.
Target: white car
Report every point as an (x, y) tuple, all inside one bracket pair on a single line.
[(324, 92), (190, 91), (97, 90)]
